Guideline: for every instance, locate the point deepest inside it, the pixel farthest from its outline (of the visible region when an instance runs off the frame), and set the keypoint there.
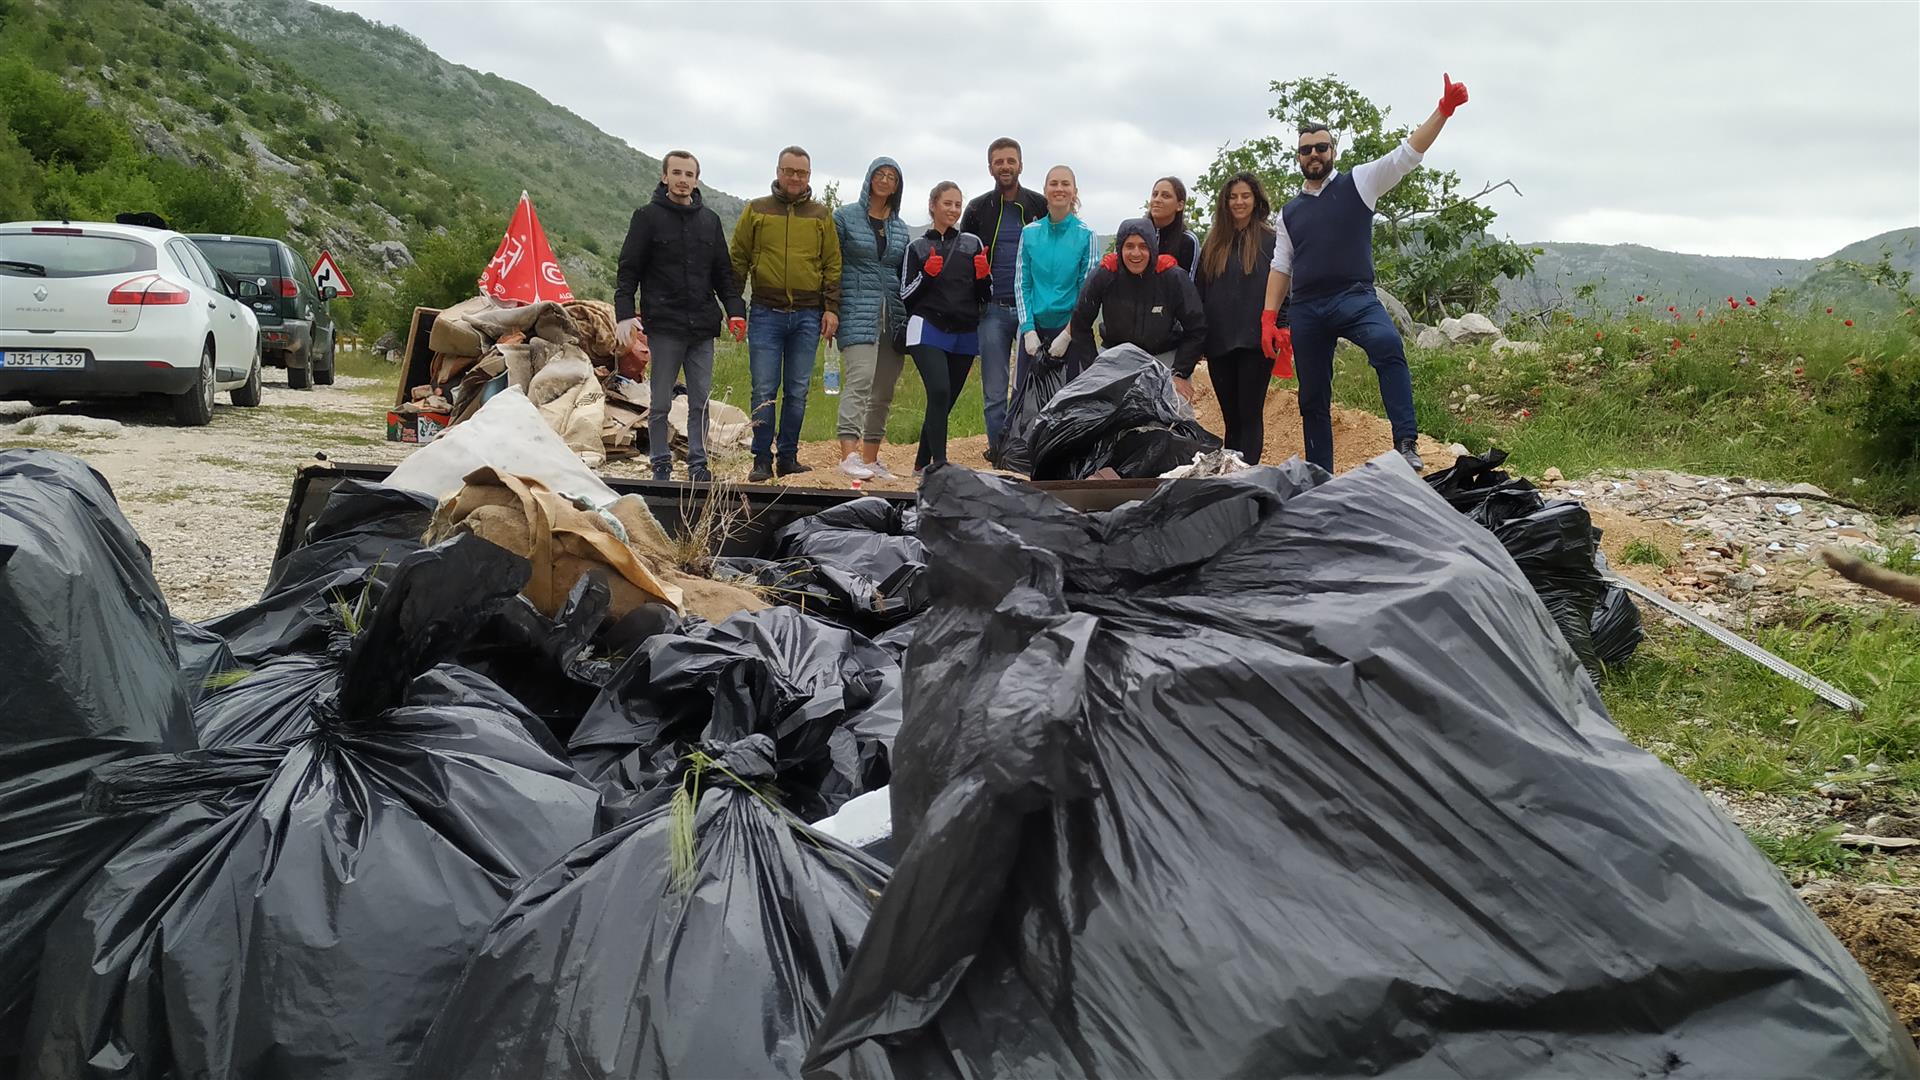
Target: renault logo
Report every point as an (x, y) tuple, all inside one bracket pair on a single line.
[(39, 292)]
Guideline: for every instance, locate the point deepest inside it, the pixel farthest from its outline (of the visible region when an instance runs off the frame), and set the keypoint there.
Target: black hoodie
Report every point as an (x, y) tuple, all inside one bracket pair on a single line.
[(1158, 310), (677, 257), (951, 300)]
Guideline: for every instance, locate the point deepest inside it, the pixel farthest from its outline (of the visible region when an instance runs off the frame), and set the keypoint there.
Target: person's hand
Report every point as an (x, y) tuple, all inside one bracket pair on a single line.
[(1060, 341), (1452, 94), (829, 324), (623, 333), (1283, 354), (737, 326), (1270, 333), (1032, 342), (981, 267), (1110, 262), (1181, 384), (933, 265), (1165, 263)]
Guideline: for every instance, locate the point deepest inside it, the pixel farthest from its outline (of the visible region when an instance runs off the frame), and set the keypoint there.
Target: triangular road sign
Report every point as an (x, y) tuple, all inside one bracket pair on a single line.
[(326, 272)]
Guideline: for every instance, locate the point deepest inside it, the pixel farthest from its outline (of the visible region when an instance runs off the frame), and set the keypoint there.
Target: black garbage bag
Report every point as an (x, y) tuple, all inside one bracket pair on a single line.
[(92, 677), (1126, 389), (363, 531), (205, 659), (302, 909), (1045, 377), (1616, 627), (549, 665), (1259, 778), (702, 938), (870, 535), (1480, 489), (829, 697)]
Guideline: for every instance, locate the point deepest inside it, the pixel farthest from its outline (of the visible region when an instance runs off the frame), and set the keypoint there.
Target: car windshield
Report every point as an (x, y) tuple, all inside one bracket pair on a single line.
[(242, 258), (63, 255)]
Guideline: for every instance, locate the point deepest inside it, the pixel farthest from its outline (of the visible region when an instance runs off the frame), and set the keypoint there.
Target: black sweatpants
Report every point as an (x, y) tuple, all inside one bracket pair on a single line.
[(1240, 382), (944, 375)]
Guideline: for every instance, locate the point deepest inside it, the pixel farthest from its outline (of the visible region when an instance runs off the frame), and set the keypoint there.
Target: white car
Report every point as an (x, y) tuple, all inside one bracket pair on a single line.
[(94, 310)]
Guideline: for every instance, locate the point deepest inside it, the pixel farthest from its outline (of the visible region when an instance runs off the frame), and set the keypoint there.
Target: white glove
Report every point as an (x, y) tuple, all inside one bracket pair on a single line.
[(1032, 342), (623, 333), (1059, 347)]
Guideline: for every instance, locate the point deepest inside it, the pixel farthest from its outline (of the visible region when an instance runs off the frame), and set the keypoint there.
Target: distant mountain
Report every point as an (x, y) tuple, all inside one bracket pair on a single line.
[(1619, 272), (492, 135)]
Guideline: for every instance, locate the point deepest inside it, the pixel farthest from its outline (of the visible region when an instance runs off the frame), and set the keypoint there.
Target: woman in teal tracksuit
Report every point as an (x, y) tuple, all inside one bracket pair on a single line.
[(1057, 253)]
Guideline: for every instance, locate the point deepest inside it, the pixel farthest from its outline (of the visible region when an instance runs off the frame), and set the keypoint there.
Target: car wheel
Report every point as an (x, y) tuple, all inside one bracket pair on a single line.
[(195, 407), (323, 376), (249, 395), (299, 378)]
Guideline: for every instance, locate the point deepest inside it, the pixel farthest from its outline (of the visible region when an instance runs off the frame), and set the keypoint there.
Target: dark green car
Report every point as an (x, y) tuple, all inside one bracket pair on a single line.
[(296, 329)]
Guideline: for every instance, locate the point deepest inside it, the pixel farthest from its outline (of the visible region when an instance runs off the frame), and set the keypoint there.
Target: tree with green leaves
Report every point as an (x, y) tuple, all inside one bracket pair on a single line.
[(1431, 245)]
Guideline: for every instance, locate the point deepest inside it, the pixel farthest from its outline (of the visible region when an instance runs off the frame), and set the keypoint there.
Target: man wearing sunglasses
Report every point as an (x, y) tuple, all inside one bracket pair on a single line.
[(1323, 265)]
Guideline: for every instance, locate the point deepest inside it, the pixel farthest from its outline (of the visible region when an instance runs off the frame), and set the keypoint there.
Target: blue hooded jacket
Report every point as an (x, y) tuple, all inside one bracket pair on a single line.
[(870, 275), (1054, 262)]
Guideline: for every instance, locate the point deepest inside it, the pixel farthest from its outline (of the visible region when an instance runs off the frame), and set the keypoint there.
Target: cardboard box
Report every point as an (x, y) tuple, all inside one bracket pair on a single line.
[(416, 361), (416, 427)]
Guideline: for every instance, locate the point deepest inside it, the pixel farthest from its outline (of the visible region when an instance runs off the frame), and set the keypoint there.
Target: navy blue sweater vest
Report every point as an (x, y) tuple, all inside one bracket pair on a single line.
[(1332, 235)]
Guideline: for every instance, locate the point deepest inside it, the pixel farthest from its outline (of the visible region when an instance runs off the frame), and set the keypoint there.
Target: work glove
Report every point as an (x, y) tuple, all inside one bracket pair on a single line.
[(933, 265), (1032, 342), (623, 333), (1110, 263), (1270, 334), (737, 326), (1165, 263), (1283, 355), (1060, 341), (1452, 94), (981, 267)]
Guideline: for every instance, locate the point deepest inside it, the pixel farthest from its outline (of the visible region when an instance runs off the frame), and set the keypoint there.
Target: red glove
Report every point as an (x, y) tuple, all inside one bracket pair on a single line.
[(738, 327), (1165, 263), (933, 265), (1273, 338), (1110, 262), (981, 268), (1452, 95), (1283, 356)]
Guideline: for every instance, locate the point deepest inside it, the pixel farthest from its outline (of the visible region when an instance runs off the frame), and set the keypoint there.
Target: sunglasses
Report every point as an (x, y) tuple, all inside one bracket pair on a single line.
[(1315, 148)]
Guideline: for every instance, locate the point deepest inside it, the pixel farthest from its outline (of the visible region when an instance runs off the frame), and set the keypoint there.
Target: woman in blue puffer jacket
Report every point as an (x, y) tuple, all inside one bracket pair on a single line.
[(873, 244)]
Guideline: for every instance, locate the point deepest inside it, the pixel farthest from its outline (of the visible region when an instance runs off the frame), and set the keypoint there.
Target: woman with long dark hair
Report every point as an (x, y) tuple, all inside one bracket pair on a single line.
[(1232, 282), (945, 282), (1167, 209)]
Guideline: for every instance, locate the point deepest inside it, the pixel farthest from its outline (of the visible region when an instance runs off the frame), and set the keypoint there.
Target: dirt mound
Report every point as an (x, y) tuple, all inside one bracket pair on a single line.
[(1358, 437), (1880, 926)]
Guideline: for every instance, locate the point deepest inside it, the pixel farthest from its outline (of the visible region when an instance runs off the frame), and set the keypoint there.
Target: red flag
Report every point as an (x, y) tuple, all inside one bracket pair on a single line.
[(523, 270)]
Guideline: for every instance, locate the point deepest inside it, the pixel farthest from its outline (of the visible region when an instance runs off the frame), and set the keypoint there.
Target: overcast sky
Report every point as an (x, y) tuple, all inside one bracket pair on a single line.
[(1770, 129)]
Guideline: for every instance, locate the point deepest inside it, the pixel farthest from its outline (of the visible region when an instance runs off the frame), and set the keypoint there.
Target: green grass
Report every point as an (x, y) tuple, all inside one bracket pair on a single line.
[(1765, 392), (1724, 722), (1815, 850), (733, 383), (1642, 553)]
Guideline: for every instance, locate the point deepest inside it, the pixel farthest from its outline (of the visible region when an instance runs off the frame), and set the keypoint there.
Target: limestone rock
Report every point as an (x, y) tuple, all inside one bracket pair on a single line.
[(392, 254), (1471, 328), (1450, 327), (1397, 311), (1432, 338), (1553, 475), (58, 424)]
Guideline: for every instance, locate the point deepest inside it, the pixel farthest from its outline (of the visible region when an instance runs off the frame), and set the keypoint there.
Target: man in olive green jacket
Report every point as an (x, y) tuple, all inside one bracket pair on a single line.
[(786, 247)]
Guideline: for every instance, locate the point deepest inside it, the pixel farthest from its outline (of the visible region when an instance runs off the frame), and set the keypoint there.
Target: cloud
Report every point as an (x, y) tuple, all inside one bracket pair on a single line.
[(1753, 129)]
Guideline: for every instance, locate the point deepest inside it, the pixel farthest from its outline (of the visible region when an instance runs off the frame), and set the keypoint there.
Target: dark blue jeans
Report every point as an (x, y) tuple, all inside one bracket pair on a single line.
[(1318, 324), (780, 352), (999, 333)]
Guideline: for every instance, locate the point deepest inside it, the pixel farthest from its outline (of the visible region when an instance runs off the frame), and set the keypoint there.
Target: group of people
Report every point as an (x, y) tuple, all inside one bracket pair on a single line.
[(1014, 279)]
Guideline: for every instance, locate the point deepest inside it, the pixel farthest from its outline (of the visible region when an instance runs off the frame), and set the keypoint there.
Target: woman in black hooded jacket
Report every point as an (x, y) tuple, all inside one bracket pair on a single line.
[(1142, 299)]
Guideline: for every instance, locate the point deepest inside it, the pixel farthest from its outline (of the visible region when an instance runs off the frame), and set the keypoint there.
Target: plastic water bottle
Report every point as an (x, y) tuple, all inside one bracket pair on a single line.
[(831, 378)]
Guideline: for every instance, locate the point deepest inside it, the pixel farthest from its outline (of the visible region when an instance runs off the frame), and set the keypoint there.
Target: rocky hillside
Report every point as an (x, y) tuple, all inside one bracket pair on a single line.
[(1619, 272)]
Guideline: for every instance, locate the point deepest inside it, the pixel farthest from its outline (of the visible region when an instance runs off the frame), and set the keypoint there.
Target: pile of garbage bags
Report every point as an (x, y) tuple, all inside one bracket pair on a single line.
[(1557, 547), (1268, 774), (1120, 418)]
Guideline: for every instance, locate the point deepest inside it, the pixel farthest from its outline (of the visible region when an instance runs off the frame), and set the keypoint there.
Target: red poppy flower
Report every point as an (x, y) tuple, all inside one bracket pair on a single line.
[(1829, 311), (1639, 299), (1525, 413), (1799, 371), (1849, 322), (1730, 300), (1598, 334), (1701, 314), (1750, 302), (1670, 307)]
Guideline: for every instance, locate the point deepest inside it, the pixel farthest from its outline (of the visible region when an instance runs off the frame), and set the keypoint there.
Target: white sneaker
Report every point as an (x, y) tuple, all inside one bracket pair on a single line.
[(880, 470), (856, 468)]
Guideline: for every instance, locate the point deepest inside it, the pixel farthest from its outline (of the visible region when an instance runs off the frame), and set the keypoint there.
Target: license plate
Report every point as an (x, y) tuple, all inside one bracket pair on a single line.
[(42, 359)]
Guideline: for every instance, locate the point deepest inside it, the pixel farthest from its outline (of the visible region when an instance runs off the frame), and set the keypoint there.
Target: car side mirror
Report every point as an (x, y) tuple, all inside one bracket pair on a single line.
[(328, 292)]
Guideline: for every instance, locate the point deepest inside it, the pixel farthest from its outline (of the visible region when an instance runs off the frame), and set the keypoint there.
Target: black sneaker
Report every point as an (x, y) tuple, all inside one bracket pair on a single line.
[(699, 474), (1406, 448), (787, 466), (660, 474), (762, 470)]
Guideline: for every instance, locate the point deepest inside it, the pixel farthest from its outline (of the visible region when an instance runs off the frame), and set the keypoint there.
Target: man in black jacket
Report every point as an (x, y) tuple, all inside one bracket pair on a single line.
[(676, 255), (1142, 299), (997, 218)]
